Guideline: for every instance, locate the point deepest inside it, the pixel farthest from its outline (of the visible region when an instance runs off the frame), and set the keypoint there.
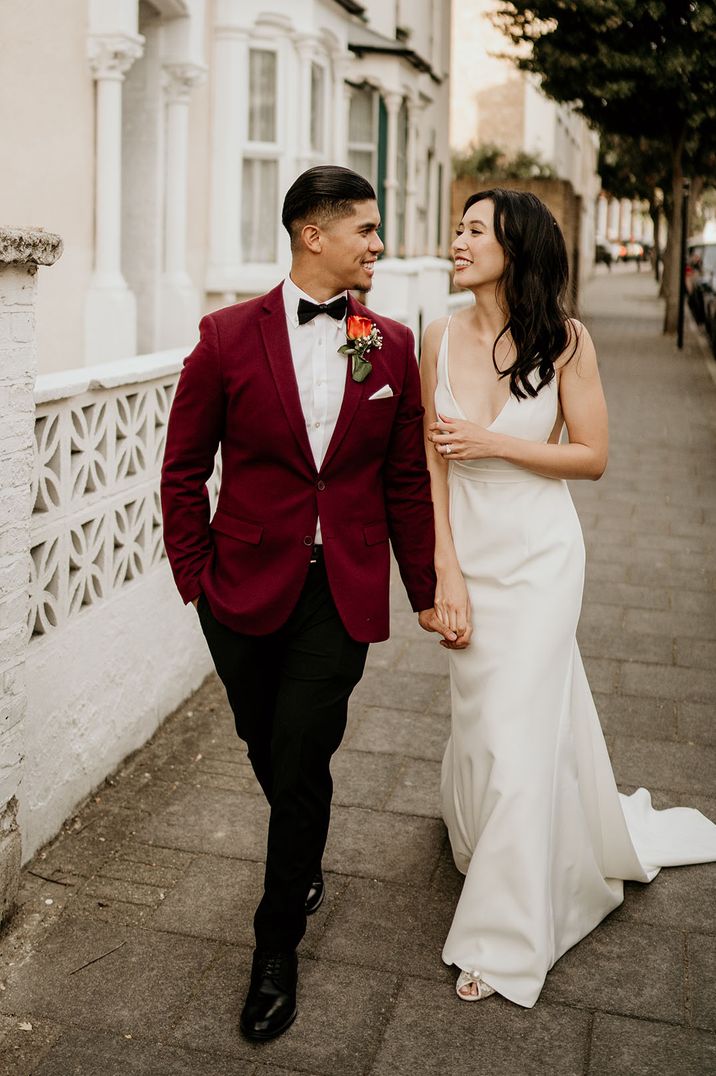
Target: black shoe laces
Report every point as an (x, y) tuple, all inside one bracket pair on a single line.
[(274, 965)]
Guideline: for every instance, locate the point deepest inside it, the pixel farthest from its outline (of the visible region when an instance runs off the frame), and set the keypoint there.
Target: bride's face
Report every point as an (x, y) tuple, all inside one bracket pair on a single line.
[(479, 259)]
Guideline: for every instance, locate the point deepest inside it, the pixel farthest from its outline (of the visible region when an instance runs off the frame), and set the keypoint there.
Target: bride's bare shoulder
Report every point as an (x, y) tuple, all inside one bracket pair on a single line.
[(433, 333), (579, 356)]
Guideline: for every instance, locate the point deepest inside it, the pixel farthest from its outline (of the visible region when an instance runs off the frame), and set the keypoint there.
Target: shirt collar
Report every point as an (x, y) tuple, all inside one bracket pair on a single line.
[(292, 293)]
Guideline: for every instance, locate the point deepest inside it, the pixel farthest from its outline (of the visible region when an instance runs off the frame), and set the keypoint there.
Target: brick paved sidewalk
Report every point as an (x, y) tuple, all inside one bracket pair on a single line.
[(131, 951)]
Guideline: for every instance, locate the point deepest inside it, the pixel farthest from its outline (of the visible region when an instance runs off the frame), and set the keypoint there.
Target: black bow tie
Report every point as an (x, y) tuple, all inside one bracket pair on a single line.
[(308, 311)]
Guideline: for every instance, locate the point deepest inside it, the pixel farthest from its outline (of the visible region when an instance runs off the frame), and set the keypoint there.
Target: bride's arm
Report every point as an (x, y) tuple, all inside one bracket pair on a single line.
[(585, 414), (451, 600)]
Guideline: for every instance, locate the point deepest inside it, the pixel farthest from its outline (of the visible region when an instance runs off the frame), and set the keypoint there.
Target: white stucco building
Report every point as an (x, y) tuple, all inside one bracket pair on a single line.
[(493, 102), (157, 137)]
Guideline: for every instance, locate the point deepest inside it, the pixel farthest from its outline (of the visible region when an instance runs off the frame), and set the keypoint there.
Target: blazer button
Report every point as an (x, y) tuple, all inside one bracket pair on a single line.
[(308, 540), (320, 484)]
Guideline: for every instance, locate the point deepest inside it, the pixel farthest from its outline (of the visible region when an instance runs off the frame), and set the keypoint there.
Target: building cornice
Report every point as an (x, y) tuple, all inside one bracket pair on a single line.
[(352, 7), (111, 55), (365, 42), (180, 79), (23, 246)]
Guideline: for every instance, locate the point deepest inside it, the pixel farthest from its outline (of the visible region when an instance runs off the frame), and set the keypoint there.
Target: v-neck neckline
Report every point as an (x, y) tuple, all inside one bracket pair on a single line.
[(462, 414)]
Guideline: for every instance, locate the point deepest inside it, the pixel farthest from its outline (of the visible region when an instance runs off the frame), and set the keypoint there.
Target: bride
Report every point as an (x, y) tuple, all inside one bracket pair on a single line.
[(528, 795)]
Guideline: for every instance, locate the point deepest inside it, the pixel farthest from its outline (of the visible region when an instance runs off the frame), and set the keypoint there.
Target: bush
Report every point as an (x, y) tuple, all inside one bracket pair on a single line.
[(490, 161)]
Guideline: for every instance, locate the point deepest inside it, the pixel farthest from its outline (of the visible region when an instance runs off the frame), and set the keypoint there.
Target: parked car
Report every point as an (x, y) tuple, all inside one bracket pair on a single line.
[(603, 255), (634, 252), (700, 278)]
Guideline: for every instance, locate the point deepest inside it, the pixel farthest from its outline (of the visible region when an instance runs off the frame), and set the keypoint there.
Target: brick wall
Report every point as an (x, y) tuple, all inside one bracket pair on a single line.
[(20, 253)]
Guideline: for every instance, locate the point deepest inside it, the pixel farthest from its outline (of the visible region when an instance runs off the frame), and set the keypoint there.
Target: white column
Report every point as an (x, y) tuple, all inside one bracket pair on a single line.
[(179, 299), (305, 48), (228, 133), (110, 308), (21, 251), (393, 101), (624, 219), (602, 213), (613, 218), (412, 183), (648, 225), (341, 99)]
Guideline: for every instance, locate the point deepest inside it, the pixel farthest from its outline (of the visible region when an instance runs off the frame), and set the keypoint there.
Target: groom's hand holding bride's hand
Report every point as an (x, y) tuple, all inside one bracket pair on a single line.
[(452, 640), (429, 620), (452, 607)]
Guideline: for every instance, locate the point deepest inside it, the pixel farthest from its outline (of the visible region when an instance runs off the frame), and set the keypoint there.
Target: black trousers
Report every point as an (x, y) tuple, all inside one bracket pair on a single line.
[(289, 694)]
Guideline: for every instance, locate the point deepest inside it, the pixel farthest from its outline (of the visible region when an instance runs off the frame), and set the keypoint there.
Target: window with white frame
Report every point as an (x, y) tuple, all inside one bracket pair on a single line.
[(363, 133), (318, 107), (259, 220)]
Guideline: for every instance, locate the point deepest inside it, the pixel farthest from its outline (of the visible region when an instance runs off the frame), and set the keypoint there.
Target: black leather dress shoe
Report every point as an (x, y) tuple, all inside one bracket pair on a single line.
[(270, 1006), (316, 893)]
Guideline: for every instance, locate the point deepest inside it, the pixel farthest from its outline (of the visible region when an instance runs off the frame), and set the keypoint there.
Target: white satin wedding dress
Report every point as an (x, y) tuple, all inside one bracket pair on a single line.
[(534, 817)]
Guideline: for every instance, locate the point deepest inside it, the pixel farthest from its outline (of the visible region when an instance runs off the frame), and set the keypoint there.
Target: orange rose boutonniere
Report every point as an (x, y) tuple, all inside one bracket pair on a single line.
[(362, 335)]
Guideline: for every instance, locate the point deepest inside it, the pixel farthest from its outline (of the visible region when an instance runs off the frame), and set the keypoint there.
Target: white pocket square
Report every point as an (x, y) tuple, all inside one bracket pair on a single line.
[(382, 394)]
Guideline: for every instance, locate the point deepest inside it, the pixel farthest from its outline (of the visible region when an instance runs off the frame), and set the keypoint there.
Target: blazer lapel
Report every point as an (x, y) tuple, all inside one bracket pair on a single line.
[(278, 352), (352, 395)]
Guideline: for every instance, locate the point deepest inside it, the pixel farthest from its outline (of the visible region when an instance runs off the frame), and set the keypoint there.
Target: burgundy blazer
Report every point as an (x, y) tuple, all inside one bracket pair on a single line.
[(238, 390)]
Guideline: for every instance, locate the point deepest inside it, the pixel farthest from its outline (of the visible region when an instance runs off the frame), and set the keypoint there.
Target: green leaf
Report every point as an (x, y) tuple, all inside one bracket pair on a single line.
[(361, 369)]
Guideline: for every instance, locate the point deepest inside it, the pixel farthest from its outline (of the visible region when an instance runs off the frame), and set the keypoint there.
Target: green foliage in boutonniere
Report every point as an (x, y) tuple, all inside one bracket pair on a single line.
[(362, 335)]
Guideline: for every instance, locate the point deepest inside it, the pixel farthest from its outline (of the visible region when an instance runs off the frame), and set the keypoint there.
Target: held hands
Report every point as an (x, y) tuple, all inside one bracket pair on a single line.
[(450, 615), (429, 620), (452, 607), (457, 439)]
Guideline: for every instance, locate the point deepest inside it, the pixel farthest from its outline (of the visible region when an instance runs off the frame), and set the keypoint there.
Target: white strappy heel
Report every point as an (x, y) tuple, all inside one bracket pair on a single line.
[(465, 978)]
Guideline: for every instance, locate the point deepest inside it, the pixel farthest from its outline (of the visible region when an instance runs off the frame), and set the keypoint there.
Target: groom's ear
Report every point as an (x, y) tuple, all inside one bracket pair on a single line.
[(311, 238)]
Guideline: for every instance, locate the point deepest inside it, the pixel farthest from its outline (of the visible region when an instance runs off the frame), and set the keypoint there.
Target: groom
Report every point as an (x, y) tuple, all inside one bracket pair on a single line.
[(315, 403)]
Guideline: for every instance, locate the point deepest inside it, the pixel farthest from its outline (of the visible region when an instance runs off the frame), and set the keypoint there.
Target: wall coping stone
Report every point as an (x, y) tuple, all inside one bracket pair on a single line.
[(62, 384), (29, 246)]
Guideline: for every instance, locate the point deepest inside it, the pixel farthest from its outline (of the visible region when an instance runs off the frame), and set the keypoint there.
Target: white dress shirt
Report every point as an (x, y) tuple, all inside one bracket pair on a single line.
[(320, 370)]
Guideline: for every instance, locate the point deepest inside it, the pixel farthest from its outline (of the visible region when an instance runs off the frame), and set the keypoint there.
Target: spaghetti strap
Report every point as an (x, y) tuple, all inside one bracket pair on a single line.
[(442, 350)]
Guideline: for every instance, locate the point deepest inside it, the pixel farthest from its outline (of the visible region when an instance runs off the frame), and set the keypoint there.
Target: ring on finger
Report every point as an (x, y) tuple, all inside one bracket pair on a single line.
[(448, 449)]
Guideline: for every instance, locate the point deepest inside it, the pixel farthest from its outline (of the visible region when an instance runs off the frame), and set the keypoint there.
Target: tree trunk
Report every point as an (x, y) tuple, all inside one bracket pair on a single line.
[(672, 259), (697, 189), (655, 220)]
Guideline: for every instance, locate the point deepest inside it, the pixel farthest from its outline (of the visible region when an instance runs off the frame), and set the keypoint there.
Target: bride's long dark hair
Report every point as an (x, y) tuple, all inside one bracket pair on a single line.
[(532, 288)]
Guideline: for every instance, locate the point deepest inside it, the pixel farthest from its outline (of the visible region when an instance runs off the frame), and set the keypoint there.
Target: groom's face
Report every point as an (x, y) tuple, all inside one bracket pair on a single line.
[(350, 247)]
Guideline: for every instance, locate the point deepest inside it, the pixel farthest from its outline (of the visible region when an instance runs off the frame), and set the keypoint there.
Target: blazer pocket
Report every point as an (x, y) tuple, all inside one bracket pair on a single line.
[(374, 533), (236, 528), (380, 401)]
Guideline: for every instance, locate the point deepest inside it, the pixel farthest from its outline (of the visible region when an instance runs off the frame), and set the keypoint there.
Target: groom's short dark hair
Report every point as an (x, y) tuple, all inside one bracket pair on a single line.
[(323, 193)]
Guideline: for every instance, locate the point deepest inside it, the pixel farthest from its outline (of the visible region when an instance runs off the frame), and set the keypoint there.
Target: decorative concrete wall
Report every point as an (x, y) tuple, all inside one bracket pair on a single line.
[(21, 251), (112, 649)]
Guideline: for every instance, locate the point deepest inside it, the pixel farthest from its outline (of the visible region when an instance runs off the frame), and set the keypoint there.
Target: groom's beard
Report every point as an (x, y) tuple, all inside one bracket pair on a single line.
[(361, 286)]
